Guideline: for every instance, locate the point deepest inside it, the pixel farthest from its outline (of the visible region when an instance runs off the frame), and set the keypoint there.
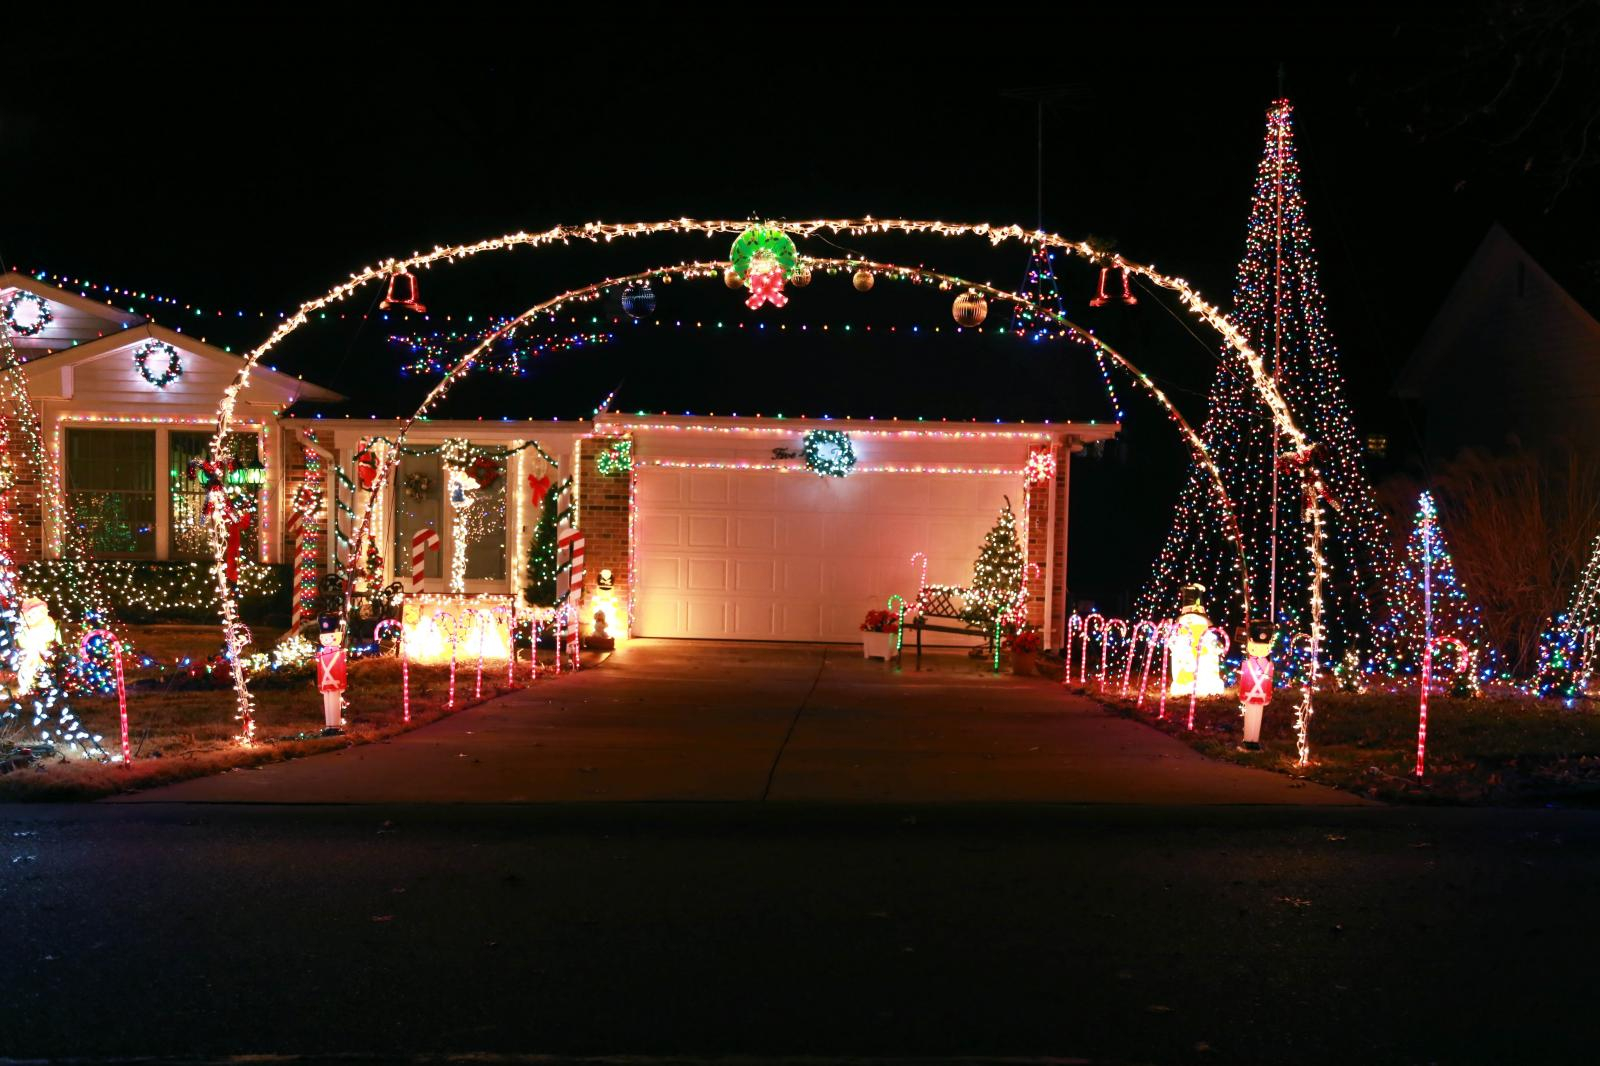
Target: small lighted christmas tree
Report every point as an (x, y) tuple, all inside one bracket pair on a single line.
[(997, 576), (1428, 600), (540, 590), (1566, 649)]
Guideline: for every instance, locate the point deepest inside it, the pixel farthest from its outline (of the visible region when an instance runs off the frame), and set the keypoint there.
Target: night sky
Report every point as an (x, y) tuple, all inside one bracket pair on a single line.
[(249, 166)]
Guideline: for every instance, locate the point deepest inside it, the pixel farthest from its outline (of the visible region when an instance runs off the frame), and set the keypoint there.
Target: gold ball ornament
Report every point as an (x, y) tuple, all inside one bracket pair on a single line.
[(863, 280), (970, 309), (801, 277), (731, 279)]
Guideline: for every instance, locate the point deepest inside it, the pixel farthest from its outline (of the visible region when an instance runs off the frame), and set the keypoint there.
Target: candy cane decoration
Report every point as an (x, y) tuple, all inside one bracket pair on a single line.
[(110, 638), (443, 625), (900, 623), (1074, 622), (508, 615), (1105, 645), (574, 646), (1463, 660), (405, 665), (533, 647), (922, 579), (423, 542), (1090, 623), (1133, 652), (480, 617), (1166, 667)]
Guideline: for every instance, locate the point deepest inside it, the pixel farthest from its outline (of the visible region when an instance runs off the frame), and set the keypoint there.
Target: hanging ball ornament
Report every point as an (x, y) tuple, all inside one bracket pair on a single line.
[(731, 278), (863, 280), (970, 308), (638, 300), (801, 277)]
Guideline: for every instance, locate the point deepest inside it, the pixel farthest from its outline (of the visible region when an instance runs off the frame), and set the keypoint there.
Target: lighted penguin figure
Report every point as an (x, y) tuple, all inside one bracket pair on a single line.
[(1255, 680), (1196, 653)]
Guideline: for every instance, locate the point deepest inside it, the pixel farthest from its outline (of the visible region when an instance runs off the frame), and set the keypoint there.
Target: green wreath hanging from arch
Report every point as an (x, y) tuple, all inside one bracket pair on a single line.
[(759, 244), (828, 452)]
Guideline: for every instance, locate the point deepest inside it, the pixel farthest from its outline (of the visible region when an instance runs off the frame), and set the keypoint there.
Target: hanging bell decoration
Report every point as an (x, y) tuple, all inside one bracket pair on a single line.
[(1100, 297), (402, 292), (863, 280), (970, 309)]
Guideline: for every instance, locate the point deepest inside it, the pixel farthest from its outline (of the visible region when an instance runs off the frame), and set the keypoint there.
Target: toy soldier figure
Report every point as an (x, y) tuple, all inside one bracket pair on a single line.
[(1255, 680), (330, 672)]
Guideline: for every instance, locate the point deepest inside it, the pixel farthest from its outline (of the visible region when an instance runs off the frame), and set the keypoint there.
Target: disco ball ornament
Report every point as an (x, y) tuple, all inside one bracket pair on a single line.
[(864, 280), (970, 309), (638, 300)]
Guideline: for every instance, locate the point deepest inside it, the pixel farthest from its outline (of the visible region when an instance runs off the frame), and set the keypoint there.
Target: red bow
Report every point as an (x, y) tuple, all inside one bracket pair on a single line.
[(540, 486), (766, 287)]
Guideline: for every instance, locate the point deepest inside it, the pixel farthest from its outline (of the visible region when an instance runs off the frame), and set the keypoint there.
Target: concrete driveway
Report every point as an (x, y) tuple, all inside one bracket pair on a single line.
[(732, 722)]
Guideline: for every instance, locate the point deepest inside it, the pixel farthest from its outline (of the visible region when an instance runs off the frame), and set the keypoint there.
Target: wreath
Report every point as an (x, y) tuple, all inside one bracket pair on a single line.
[(828, 452), (765, 242), (141, 359), (484, 470), (419, 486), (29, 325)]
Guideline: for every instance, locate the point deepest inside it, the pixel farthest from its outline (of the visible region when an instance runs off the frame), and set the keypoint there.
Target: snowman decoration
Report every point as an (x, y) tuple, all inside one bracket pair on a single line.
[(34, 637), (1195, 651)]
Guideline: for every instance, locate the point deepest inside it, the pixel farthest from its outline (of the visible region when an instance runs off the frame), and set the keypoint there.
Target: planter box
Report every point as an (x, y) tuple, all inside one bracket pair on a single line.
[(877, 646), (1025, 663)]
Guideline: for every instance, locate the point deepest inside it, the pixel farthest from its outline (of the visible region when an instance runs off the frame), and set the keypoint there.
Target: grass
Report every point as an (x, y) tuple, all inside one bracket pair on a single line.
[(1480, 751), (180, 734)]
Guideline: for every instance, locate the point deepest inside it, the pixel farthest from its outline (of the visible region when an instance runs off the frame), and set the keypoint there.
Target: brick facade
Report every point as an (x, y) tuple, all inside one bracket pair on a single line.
[(25, 500), (603, 504), (1048, 554)]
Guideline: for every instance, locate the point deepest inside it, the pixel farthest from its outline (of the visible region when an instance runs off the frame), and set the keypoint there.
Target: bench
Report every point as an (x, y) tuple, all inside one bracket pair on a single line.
[(942, 602)]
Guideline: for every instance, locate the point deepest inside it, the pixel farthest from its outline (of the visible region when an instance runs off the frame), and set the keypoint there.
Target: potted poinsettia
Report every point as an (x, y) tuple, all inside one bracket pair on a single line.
[(1025, 646), (878, 635)]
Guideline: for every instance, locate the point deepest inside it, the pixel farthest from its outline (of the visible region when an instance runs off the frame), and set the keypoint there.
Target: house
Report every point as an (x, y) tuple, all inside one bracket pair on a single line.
[(1511, 356), (701, 526)]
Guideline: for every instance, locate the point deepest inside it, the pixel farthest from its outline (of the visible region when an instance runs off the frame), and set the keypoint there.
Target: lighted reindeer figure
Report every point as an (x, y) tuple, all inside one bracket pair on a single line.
[(1133, 651), (1105, 644), (1463, 661), (1074, 624), (1093, 624)]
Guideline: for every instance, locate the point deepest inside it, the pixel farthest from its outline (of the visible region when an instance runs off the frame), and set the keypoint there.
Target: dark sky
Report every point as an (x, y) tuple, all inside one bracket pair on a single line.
[(249, 165)]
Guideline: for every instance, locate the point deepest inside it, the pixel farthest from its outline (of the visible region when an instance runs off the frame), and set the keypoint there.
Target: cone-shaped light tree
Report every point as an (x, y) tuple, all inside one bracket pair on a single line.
[(1427, 600), (1278, 303), (998, 576)]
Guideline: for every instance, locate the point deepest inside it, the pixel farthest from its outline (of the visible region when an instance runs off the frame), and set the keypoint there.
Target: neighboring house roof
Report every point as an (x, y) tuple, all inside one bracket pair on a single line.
[(1497, 272), (284, 389), (74, 319)]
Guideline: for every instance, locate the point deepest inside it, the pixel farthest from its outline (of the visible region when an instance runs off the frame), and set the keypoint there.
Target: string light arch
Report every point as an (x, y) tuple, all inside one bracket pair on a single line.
[(598, 233)]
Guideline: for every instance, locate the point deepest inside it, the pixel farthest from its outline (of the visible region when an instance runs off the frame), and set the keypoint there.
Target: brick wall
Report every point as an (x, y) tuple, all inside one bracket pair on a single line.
[(1037, 539), (603, 518), (1050, 556), (26, 505)]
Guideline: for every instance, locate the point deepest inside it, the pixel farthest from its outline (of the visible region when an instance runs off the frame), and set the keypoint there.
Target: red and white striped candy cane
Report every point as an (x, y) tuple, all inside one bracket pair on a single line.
[(1133, 652), (1091, 623), (423, 542)]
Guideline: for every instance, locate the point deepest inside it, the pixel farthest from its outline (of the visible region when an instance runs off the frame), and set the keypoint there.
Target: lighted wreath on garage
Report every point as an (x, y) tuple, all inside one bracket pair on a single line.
[(828, 452)]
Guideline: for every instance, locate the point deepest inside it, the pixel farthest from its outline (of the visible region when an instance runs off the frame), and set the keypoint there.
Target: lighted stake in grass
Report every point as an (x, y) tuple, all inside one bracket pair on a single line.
[(1463, 662), (115, 645), (1091, 624), (1133, 653), (1105, 645), (1074, 623), (405, 665)]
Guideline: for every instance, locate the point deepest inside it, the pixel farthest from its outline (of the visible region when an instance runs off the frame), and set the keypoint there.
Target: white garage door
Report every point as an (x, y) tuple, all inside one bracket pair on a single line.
[(758, 555)]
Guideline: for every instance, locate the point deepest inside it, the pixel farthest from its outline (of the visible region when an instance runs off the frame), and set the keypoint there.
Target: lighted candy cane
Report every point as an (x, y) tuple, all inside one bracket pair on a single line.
[(481, 617), (1158, 639), (1073, 623), (900, 624), (1090, 623), (922, 578), (110, 639), (574, 647), (423, 542), (1463, 661), (1105, 645), (442, 623), (405, 666), (508, 615), (533, 647), (1133, 653), (1166, 666), (1194, 689)]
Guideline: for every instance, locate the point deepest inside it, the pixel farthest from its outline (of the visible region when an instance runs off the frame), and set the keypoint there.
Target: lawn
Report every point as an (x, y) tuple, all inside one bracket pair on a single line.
[(1486, 750), (179, 734)]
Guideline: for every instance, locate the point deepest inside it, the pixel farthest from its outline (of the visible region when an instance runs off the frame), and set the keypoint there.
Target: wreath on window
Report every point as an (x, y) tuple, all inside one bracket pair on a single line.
[(141, 360), (419, 486), (26, 314), (828, 452)]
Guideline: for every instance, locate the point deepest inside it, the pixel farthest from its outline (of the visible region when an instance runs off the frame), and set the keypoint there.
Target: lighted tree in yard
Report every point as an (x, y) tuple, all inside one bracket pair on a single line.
[(540, 590), (999, 573), (1427, 599), (1279, 305)]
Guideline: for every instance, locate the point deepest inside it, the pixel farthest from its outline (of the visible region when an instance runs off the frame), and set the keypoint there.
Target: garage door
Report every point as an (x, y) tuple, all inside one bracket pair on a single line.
[(758, 555)]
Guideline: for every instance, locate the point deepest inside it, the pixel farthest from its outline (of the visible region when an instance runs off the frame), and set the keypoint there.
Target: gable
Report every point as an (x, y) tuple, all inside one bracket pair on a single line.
[(72, 319)]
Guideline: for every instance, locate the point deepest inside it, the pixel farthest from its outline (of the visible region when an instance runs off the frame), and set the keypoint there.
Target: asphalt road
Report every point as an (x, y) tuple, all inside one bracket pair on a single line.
[(1118, 934)]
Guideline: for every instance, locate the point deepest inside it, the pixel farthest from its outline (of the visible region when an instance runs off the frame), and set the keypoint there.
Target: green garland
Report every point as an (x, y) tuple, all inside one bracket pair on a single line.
[(764, 240), (828, 452)]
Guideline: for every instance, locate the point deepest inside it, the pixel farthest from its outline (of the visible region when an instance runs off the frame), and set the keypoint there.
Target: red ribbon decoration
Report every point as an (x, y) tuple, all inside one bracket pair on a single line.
[(540, 486), (766, 287)]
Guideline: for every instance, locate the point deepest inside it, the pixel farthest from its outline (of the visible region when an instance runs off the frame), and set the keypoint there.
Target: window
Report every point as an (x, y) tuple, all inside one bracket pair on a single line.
[(484, 526), (1377, 445), (111, 490), (186, 499), (419, 494), (477, 524)]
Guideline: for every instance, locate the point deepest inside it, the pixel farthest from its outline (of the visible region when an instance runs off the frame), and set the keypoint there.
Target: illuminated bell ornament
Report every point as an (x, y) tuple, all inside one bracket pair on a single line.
[(638, 300), (402, 293), (1100, 297), (863, 280), (970, 308)]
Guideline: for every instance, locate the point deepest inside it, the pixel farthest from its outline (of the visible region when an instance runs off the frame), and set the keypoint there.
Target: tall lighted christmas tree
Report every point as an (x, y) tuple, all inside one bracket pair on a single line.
[(1279, 305), (1427, 600)]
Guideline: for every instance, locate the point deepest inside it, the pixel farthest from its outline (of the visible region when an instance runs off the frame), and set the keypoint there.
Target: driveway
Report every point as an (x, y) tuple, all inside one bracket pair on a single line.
[(698, 721)]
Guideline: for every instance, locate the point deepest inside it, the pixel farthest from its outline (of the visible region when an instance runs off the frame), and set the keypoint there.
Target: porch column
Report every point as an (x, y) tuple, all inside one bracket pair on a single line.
[(602, 501)]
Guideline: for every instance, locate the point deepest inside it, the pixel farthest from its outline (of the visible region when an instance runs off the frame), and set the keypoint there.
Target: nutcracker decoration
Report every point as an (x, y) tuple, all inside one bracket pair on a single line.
[(331, 671), (1255, 680)]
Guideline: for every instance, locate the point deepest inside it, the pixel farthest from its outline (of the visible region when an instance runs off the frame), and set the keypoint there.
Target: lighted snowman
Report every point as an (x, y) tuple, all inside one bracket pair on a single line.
[(1195, 651), (35, 635)]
